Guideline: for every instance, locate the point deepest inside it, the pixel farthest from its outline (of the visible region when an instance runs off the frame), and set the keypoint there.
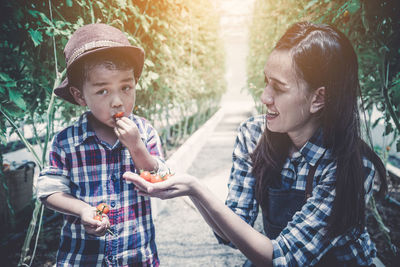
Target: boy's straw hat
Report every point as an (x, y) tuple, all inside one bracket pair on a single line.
[(92, 38)]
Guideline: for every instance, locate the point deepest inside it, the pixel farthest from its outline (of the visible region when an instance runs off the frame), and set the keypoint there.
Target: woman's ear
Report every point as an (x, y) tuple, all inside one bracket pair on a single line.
[(318, 100), (77, 95)]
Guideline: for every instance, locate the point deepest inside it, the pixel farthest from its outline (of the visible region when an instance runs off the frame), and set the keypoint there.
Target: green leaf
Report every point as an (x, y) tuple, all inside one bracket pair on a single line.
[(398, 145), (69, 3), (388, 129), (310, 4), (3, 139), (376, 122), (4, 77), (17, 98), (45, 19), (148, 63), (353, 6), (12, 111), (33, 13), (36, 36)]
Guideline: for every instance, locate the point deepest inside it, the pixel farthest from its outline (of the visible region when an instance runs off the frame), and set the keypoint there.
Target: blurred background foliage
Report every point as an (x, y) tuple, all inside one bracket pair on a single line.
[(180, 39), (371, 25), (177, 91)]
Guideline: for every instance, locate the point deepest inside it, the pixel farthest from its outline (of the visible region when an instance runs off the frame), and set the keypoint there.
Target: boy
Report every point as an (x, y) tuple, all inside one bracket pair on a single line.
[(88, 158)]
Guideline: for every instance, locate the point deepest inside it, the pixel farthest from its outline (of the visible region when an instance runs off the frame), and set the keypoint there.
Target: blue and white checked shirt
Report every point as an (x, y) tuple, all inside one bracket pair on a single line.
[(302, 242), (87, 168)]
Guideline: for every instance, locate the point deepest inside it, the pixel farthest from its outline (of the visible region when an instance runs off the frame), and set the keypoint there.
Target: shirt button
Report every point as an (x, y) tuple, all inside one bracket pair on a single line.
[(113, 204), (113, 178), (110, 258)]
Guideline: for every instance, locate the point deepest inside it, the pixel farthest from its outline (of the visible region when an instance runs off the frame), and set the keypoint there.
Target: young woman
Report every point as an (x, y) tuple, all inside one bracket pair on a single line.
[(304, 162)]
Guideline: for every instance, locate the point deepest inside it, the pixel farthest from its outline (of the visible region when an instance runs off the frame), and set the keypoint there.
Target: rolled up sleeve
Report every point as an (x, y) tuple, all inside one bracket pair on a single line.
[(55, 177), (50, 184)]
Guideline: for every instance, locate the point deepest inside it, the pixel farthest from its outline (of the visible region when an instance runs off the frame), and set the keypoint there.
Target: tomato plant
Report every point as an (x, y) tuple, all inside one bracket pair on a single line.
[(176, 92)]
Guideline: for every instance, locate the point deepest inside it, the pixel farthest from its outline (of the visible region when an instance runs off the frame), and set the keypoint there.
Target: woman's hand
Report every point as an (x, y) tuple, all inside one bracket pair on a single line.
[(177, 185), (92, 225), (127, 132)]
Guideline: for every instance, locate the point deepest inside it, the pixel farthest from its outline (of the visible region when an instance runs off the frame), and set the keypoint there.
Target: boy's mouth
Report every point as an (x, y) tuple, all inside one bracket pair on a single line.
[(118, 115)]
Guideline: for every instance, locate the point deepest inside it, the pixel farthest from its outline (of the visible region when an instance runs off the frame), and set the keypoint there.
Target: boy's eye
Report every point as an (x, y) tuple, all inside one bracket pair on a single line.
[(126, 88), (102, 92)]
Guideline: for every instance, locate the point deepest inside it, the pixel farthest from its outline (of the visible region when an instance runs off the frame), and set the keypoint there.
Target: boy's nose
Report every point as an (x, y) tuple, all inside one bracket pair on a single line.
[(116, 101)]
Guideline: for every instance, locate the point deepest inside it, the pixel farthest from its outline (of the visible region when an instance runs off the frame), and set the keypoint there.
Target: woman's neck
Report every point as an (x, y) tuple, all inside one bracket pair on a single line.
[(301, 137)]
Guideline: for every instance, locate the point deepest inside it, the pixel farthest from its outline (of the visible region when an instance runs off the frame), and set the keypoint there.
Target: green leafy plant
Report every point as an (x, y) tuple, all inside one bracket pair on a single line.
[(177, 90)]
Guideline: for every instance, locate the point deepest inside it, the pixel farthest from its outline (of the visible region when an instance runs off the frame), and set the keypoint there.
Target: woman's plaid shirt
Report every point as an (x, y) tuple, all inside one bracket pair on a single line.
[(91, 170), (302, 242)]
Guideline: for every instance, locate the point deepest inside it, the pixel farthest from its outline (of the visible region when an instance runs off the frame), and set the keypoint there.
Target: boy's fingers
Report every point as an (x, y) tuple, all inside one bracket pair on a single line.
[(123, 123), (116, 131), (93, 223)]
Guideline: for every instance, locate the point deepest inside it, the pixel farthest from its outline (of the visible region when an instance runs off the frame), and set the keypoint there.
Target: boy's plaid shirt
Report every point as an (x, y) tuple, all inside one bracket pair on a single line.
[(91, 170), (302, 242)]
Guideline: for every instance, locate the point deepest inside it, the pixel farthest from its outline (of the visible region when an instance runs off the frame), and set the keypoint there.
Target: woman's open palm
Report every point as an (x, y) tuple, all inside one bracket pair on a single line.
[(177, 185)]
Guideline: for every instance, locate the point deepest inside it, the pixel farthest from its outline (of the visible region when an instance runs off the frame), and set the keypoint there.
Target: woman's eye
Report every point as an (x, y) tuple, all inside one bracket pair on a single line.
[(277, 89), (126, 88)]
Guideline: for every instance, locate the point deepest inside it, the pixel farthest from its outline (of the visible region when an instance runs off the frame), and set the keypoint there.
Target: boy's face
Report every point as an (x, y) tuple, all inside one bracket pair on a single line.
[(107, 92)]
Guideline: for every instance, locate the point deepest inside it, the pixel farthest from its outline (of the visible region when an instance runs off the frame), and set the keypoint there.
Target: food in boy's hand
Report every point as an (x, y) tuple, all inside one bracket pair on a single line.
[(97, 218), (101, 209), (118, 115), (154, 178)]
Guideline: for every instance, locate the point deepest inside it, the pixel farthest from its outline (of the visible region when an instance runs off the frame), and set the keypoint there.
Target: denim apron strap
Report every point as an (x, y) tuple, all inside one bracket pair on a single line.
[(282, 205)]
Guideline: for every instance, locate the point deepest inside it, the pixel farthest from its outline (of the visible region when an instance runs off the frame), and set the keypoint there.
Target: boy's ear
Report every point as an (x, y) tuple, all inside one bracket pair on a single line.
[(318, 100), (78, 96)]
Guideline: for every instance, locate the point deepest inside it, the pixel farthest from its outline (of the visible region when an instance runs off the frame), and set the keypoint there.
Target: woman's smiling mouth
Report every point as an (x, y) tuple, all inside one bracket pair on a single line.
[(272, 114)]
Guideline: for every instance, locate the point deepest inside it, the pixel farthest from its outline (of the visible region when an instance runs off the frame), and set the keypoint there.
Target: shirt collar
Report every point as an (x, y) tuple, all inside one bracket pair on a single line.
[(83, 131), (313, 150)]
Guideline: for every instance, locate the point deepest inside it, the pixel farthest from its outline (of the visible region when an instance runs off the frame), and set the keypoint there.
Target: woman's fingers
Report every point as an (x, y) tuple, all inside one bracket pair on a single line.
[(141, 183), (161, 189), (165, 194)]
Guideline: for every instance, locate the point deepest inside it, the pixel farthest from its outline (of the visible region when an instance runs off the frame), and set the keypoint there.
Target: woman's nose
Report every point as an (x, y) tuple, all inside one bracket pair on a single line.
[(266, 97)]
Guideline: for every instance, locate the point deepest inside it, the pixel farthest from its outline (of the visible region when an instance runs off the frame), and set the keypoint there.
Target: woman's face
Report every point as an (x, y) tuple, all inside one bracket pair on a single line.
[(287, 98)]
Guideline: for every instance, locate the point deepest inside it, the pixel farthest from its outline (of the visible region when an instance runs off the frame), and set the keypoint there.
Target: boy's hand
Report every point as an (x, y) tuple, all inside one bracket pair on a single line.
[(92, 226), (127, 132)]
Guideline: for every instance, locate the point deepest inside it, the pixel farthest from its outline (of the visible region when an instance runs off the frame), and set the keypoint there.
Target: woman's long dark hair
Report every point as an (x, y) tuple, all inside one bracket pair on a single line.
[(323, 56)]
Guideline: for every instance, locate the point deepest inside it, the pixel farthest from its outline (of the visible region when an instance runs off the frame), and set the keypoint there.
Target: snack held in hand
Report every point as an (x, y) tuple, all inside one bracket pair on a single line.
[(154, 177), (101, 209), (118, 115)]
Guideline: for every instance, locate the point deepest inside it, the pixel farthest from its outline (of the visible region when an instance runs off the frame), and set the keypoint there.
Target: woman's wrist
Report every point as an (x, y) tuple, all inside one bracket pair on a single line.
[(197, 189)]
